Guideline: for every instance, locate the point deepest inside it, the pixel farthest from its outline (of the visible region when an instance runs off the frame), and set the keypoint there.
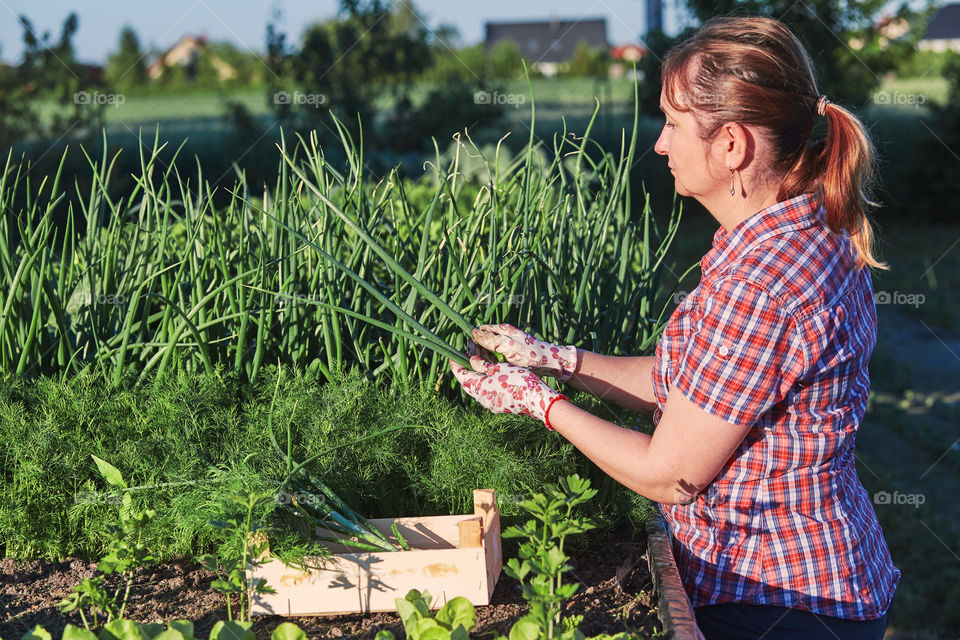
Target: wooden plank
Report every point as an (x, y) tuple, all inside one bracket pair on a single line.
[(471, 533), (365, 582), (485, 505), (427, 532)]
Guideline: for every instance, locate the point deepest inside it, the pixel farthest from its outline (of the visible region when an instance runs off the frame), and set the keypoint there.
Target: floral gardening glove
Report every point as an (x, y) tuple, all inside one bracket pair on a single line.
[(520, 348), (506, 388)]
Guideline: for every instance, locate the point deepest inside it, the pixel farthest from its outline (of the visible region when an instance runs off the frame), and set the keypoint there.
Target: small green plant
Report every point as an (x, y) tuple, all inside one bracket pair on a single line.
[(121, 629), (542, 562), (452, 622), (125, 552), (232, 571)]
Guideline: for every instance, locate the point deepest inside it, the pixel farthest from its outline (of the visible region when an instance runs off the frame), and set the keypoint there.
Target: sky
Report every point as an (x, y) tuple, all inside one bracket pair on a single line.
[(160, 23)]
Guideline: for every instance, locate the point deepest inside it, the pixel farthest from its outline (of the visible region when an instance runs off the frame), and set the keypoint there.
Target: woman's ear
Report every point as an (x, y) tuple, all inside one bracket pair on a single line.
[(736, 145)]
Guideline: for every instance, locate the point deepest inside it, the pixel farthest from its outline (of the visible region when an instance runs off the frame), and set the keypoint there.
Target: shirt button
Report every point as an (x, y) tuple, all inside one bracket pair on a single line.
[(723, 350)]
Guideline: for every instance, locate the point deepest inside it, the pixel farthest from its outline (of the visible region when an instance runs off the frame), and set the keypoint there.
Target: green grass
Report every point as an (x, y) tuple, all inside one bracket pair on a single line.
[(145, 108), (905, 93)]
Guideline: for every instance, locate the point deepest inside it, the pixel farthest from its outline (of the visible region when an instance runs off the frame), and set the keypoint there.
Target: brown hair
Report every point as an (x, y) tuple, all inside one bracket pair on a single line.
[(754, 71)]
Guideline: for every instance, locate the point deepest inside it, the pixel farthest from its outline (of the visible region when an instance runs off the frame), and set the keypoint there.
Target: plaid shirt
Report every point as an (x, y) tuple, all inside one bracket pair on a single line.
[(778, 335)]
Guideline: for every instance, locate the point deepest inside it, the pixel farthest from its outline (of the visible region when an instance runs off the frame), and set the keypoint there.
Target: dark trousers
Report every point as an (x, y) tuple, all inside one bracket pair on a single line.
[(764, 622)]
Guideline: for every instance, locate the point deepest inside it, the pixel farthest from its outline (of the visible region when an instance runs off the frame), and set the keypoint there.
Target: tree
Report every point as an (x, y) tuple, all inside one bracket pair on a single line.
[(126, 67), (49, 70), (588, 61), (345, 65), (505, 60), (16, 116)]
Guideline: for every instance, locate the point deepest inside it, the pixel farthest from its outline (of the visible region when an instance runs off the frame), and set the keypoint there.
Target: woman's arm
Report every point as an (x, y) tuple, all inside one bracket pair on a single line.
[(624, 380), (685, 453)]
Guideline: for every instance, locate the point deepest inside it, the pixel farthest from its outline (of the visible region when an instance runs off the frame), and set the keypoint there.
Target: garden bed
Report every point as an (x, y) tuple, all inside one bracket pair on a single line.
[(616, 594)]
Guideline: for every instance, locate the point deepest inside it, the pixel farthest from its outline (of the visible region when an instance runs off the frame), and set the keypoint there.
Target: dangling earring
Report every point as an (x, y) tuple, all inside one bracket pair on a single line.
[(733, 191)]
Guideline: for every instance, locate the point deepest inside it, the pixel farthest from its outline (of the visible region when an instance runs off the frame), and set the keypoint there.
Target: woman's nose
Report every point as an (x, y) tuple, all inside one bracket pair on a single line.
[(661, 147)]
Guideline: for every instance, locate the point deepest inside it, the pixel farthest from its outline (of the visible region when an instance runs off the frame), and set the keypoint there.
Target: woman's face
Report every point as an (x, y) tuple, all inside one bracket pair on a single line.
[(694, 171)]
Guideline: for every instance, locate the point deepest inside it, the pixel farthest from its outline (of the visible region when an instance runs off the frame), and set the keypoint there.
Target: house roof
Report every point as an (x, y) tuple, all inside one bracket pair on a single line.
[(628, 52), (945, 23), (549, 41)]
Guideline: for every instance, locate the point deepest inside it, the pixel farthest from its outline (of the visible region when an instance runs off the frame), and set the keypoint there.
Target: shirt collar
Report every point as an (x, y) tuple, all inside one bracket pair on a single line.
[(790, 215)]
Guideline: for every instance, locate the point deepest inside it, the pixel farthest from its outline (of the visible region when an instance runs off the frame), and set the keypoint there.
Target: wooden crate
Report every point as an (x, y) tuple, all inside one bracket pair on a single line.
[(450, 556)]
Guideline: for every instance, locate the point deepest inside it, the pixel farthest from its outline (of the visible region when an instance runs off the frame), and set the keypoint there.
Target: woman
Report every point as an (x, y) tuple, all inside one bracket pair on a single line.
[(760, 381)]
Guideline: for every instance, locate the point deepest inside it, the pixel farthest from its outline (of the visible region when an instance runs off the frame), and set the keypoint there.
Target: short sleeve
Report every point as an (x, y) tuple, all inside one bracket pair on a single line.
[(743, 354)]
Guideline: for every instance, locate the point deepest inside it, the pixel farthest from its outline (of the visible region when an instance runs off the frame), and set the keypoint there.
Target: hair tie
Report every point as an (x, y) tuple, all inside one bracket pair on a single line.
[(822, 105)]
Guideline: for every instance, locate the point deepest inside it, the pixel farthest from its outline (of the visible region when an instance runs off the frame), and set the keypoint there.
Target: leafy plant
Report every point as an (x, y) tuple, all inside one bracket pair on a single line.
[(542, 561), (125, 552), (322, 507), (232, 570), (122, 629), (453, 621)]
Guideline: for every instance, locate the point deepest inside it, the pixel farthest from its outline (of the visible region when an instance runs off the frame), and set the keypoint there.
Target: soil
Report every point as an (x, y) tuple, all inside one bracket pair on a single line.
[(615, 595)]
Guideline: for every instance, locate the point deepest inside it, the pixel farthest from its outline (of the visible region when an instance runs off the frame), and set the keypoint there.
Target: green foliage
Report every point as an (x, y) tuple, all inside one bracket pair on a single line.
[(49, 70), (548, 238), (126, 67), (540, 570), (506, 60), (587, 61), (122, 629), (382, 53), (453, 621), (937, 171), (16, 115), (542, 561), (232, 571), (191, 440), (125, 552)]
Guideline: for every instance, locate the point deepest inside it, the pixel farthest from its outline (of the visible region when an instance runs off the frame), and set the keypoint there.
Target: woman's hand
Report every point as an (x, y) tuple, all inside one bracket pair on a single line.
[(522, 349), (506, 388)]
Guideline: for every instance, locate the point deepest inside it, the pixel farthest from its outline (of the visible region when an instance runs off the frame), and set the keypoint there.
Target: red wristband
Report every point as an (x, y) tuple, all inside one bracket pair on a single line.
[(546, 414)]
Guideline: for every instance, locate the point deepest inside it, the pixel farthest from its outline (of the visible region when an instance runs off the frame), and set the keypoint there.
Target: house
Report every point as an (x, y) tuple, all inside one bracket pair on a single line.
[(888, 29), (628, 52), (624, 56), (943, 30), (547, 45), (185, 53)]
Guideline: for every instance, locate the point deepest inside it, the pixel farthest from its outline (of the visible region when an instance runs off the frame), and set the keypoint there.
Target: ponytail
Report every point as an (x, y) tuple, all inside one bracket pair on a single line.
[(840, 172)]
